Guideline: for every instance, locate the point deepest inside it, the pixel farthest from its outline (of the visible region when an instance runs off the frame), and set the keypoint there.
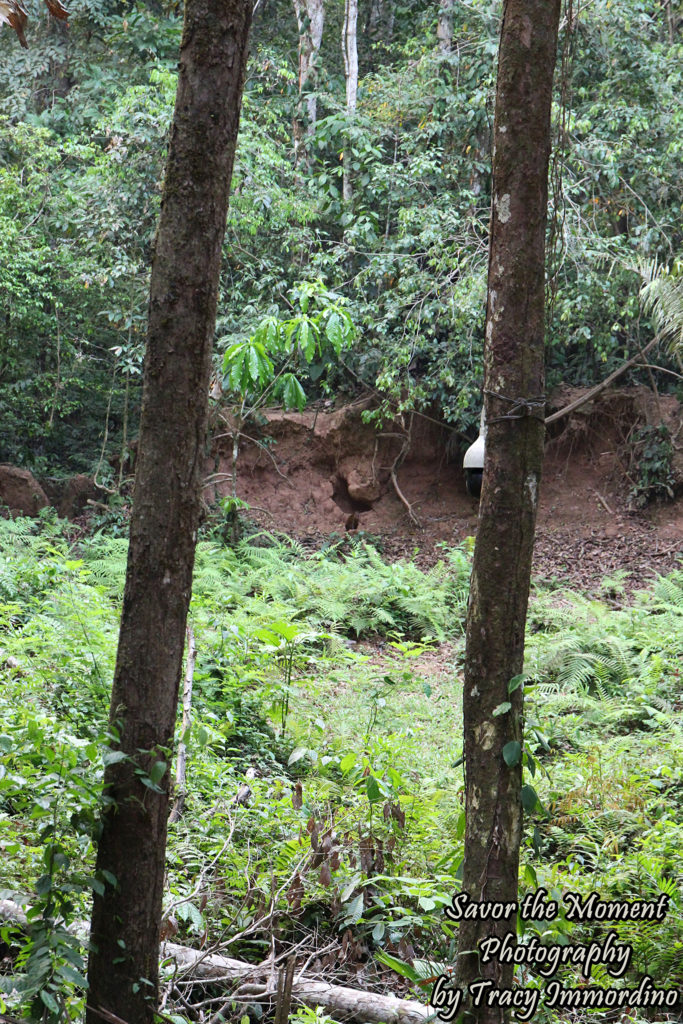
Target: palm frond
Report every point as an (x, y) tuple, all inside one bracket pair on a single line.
[(662, 297)]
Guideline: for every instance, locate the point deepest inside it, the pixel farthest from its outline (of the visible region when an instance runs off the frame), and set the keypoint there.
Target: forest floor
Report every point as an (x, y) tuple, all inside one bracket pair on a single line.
[(325, 475)]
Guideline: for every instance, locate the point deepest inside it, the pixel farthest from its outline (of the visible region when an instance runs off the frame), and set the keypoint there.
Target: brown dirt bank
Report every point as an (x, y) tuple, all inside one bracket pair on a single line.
[(325, 471)]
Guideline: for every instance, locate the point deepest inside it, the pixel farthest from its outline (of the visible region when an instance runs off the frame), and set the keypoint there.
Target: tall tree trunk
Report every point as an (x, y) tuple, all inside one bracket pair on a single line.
[(310, 19), (514, 383), (123, 967), (444, 27), (350, 50)]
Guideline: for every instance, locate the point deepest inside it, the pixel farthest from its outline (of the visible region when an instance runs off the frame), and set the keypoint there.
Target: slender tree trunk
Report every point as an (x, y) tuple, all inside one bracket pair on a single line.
[(123, 967), (310, 19), (350, 50), (444, 27), (514, 383), (181, 756)]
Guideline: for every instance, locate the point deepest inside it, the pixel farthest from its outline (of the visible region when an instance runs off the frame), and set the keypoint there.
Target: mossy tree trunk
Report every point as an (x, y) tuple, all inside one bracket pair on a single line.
[(514, 384), (123, 965)]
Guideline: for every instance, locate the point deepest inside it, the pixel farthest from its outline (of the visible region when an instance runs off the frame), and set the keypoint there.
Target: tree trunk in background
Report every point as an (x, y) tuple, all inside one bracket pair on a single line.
[(350, 50), (123, 967), (444, 28), (310, 19), (514, 375)]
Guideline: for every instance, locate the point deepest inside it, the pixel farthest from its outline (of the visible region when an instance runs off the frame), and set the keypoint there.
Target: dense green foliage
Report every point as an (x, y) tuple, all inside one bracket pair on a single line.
[(85, 113), (326, 685)]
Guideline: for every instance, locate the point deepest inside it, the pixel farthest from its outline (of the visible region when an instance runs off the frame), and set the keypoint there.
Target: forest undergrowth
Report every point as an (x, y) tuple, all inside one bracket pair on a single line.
[(323, 806)]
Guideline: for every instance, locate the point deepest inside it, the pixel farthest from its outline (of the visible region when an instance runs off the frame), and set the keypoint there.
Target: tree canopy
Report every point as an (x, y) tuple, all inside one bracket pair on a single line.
[(84, 119)]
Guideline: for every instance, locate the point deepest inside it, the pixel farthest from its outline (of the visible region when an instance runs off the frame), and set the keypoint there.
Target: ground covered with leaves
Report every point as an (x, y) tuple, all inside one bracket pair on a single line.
[(323, 811)]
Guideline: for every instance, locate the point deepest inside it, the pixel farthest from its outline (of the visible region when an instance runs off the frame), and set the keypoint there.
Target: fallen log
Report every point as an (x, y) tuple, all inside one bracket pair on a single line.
[(255, 984)]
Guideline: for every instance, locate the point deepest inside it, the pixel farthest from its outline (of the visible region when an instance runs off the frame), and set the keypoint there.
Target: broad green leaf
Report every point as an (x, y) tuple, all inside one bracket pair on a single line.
[(530, 876), (229, 356), (288, 630), (402, 968), (69, 974), (530, 799), (297, 754), (334, 331), (372, 789), (354, 911), (306, 340), (293, 395), (512, 753), (50, 1001), (113, 756), (158, 771), (254, 366), (348, 762)]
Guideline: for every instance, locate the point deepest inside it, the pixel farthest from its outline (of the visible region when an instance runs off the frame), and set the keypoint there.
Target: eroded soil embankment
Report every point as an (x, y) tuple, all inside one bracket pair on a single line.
[(325, 471)]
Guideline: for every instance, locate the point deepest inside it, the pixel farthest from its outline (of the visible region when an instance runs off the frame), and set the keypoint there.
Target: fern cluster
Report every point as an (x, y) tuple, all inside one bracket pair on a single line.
[(580, 646), (357, 594), (360, 593)]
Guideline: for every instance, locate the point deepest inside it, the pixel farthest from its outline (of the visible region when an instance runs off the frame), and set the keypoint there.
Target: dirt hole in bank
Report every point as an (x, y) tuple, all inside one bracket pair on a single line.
[(342, 498)]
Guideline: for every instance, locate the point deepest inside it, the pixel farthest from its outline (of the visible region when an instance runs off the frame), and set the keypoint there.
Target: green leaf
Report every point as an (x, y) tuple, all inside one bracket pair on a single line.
[(49, 1001), (402, 968), (530, 799), (307, 339), (158, 771), (237, 376), (288, 630), (372, 789), (146, 781), (297, 754), (254, 366), (292, 394), (334, 332), (530, 876), (72, 975), (512, 753), (515, 683), (502, 709), (354, 910), (229, 356), (347, 762)]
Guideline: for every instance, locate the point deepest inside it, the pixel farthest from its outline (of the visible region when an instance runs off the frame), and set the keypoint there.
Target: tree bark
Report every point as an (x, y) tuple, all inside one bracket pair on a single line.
[(181, 756), (310, 19), (514, 384), (350, 51), (444, 27), (123, 966)]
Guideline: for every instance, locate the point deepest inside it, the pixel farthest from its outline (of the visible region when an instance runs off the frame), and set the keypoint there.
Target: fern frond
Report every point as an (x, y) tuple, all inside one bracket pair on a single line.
[(662, 296)]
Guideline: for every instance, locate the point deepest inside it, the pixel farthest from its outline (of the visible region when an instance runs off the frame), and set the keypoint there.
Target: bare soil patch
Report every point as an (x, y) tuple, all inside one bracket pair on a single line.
[(325, 473)]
